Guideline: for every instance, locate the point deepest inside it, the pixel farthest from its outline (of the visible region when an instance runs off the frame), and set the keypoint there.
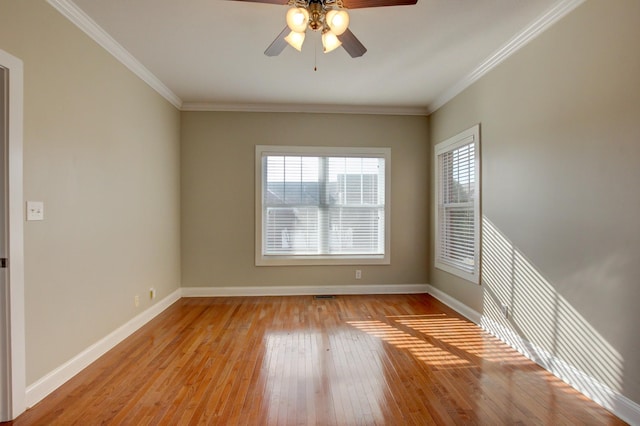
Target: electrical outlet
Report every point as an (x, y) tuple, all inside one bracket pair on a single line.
[(358, 274), (136, 300), (152, 293), (505, 310)]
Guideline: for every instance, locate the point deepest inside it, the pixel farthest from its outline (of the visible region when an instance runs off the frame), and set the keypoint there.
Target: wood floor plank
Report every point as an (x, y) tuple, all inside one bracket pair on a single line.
[(351, 360)]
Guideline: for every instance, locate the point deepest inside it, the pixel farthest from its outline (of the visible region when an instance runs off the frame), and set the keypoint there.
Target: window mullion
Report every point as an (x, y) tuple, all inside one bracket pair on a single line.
[(323, 208)]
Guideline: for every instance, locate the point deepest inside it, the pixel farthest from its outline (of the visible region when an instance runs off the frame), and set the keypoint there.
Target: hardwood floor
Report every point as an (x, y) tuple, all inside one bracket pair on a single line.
[(352, 360)]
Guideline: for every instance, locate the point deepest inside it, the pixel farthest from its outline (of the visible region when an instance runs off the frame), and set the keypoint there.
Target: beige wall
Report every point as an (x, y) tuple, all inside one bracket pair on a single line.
[(101, 149), (560, 126), (218, 157), (559, 154)]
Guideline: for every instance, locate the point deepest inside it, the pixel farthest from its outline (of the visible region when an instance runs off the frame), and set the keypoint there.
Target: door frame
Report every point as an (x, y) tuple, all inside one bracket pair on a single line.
[(16, 351)]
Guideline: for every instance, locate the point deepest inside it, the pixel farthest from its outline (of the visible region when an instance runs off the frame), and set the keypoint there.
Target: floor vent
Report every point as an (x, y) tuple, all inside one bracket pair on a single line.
[(324, 296)]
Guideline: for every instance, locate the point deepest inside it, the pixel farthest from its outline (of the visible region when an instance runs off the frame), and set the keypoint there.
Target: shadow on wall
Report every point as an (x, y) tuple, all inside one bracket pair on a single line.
[(521, 307)]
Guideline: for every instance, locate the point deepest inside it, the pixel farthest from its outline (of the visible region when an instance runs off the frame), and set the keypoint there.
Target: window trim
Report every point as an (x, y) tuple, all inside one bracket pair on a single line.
[(471, 135), (300, 260)]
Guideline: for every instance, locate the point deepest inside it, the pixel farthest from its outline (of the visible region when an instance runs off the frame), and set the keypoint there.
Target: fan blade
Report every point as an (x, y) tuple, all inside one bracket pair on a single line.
[(278, 45), (351, 44), (349, 4), (361, 4), (266, 1)]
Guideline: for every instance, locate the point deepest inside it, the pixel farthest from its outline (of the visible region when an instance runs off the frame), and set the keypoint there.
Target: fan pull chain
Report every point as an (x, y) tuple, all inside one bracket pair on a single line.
[(315, 56)]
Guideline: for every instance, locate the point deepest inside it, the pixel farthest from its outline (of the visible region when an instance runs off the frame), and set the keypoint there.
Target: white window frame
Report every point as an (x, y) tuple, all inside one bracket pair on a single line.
[(442, 262), (291, 260)]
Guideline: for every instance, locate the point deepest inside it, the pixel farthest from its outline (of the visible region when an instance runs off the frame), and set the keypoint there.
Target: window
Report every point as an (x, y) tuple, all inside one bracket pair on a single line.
[(458, 205), (322, 206)]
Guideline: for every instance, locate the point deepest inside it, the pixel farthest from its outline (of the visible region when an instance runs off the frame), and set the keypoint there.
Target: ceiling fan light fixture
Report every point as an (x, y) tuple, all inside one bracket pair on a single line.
[(295, 40), (330, 41), (337, 20), (297, 19)]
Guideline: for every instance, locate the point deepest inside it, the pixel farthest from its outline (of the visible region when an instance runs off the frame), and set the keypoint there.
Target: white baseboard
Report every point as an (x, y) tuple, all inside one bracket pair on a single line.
[(620, 405), (454, 304), (47, 384), (303, 290), (56, 378), (617, 403)]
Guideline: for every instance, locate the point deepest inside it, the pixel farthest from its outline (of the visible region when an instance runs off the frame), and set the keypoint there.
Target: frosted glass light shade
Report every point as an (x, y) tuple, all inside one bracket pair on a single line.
[(297, 19), (330, 41), (295, 40), (338, 21)]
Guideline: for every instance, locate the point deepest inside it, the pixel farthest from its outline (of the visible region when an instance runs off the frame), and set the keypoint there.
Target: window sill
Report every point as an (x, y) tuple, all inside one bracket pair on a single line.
[(321, 260), (474, 278)]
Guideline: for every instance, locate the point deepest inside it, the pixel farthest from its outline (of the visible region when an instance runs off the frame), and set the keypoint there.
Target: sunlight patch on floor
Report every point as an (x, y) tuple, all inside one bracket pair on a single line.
[(421, 349)]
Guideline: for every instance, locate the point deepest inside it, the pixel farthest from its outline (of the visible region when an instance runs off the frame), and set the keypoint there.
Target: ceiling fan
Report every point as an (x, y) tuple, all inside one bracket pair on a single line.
[(328, 16)]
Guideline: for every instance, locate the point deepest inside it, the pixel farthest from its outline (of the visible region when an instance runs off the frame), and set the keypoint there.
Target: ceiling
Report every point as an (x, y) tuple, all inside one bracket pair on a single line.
[(208, 54)]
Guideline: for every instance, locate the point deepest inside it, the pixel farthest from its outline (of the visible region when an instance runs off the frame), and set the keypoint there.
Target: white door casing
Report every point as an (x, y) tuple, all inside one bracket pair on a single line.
[(13, 318), (5, 391)]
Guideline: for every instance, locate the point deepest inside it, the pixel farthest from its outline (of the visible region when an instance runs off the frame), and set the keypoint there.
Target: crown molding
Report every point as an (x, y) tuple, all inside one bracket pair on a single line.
[(74, 14), (537, 27), (304, 108)]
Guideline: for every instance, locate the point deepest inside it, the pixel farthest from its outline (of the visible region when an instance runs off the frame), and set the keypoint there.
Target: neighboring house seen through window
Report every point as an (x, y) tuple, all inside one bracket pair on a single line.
[(322, 205), (457, 212)]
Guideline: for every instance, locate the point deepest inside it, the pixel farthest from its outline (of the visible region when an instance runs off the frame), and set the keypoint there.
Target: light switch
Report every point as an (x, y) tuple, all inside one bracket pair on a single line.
[(35, 210)]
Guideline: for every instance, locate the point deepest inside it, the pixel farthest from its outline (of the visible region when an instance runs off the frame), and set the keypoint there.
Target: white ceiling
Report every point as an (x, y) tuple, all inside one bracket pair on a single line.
[(208, 54)]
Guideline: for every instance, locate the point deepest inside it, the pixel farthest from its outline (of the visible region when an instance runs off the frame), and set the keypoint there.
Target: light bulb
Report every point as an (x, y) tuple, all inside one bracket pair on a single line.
[(297, 19), (330, 41), (338, 21), (295, 40)]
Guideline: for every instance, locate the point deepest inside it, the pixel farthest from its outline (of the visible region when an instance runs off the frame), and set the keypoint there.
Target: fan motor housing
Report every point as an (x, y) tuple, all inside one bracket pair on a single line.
[(316, 15)]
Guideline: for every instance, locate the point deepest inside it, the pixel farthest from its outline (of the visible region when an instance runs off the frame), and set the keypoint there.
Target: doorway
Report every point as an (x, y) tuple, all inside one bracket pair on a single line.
[(12, 327)]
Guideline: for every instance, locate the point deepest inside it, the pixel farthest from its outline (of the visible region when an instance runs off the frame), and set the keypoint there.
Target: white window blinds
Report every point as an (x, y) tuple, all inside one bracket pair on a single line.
[(328, 206), (457, 215)]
